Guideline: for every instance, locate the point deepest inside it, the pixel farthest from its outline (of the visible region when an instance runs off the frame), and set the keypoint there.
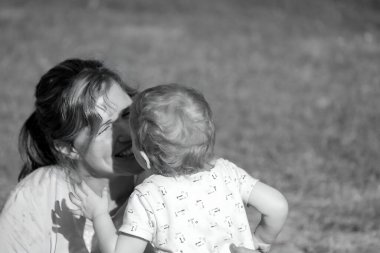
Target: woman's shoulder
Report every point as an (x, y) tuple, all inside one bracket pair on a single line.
[(43, 176), (32, 208), (38, 185)]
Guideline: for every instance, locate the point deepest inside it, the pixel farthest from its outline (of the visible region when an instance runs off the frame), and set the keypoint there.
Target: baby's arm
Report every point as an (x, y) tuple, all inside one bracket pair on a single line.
[(129, 244), (110, 242), (274, 209), (95, 208)]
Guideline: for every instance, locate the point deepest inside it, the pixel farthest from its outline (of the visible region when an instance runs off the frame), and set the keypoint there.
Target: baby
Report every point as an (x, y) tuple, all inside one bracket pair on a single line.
[(192, 201)]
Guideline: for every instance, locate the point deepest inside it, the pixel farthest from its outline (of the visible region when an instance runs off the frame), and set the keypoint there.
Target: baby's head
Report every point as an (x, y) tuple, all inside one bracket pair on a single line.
[(172, 127)]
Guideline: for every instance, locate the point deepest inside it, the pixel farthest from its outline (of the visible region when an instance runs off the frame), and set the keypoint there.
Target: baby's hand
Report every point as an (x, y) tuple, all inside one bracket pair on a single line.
[(89, 202)]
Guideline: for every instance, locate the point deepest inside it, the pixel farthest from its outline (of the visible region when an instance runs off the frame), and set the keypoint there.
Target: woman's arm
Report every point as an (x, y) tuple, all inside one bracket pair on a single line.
[(274, 210)]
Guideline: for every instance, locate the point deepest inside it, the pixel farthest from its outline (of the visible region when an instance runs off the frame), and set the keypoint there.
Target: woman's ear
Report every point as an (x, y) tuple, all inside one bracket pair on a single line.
[(67, 150), (146, 159)]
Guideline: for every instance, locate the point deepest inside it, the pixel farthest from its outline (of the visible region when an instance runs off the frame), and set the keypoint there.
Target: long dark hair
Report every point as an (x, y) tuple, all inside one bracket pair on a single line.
[(65, 104)]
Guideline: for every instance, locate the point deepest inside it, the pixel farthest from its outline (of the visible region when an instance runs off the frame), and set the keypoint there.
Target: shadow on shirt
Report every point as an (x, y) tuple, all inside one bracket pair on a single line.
[(72, 228), (69, 226)]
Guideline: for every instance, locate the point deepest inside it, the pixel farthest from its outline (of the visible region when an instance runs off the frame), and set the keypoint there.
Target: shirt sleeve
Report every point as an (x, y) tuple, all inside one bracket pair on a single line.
[(244, 181), (139, 219)]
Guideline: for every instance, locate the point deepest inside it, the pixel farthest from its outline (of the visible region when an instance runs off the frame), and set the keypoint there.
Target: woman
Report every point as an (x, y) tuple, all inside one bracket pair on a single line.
[(78, 131)]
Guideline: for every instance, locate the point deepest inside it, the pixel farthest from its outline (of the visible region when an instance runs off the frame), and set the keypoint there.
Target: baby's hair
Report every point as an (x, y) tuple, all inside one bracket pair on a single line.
[(173, 125)]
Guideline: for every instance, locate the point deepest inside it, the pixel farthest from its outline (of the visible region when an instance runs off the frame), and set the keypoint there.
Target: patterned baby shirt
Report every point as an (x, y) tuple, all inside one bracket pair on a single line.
[(202, 212)]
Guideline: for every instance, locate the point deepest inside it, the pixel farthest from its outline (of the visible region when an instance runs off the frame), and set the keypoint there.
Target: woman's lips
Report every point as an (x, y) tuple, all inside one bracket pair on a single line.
[(125, 153)]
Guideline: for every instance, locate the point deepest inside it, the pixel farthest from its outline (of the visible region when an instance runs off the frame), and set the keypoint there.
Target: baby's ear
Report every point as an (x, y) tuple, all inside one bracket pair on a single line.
[(66, 149), (146, 159)]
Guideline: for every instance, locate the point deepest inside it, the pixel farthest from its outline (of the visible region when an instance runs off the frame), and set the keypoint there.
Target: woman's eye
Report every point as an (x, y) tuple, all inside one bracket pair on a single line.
[(125, 113)]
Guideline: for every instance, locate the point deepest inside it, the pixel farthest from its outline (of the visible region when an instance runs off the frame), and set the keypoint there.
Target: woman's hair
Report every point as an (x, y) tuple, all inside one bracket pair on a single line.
[(173, 125), (65, 104)]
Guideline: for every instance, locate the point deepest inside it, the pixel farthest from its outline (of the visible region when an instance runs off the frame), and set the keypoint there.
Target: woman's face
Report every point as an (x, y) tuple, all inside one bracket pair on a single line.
[(108, 153)]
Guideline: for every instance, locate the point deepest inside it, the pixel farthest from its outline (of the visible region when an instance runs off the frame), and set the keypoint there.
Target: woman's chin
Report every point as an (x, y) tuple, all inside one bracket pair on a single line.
[(127, 167)]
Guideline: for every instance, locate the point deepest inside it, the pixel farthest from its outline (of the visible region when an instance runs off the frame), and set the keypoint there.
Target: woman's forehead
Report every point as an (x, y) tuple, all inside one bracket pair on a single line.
[(113, 102)]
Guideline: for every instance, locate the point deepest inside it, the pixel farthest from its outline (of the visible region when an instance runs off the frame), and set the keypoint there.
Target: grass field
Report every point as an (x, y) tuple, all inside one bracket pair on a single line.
[(295, 87)]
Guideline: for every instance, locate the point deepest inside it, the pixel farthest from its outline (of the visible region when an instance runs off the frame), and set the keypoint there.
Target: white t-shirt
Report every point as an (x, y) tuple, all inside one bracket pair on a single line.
[(37, 218), (203, 212)]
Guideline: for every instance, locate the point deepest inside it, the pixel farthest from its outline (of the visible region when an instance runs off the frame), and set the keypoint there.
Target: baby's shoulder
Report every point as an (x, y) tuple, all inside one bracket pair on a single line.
[(224, 166), (153, 183)]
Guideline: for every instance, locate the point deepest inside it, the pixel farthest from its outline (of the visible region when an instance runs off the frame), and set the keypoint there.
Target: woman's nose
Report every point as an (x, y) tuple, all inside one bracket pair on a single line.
[(123, 138)]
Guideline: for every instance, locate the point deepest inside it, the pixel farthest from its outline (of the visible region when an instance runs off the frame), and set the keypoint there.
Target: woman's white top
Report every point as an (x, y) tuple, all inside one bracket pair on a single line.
[(37, 216)]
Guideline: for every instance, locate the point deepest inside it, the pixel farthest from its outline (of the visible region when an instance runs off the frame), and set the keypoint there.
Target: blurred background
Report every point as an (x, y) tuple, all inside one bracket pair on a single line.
[(294, 85)]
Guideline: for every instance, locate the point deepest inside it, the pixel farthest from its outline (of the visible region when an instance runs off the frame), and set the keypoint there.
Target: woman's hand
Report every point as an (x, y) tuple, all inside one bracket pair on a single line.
[(235, 249), (260, 245), (88, 201), (262, 248)]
